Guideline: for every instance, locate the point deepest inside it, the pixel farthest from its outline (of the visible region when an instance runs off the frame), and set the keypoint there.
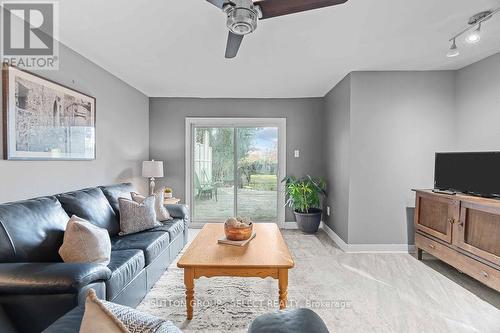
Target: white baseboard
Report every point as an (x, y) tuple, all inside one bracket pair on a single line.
[(336, 238), (366, 248)]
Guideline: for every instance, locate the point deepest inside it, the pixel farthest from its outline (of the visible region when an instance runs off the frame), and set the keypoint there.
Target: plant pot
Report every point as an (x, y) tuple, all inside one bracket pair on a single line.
[(309, 222)]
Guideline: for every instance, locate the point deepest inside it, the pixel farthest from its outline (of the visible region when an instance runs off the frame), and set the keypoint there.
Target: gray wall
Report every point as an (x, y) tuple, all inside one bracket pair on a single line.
[(122, 137), (478, 106), (337, 140), (167, 131), (381, 132), (398, 121)]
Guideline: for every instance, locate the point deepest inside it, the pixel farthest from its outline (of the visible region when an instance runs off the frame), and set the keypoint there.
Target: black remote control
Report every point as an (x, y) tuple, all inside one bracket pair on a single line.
[(444, 191)]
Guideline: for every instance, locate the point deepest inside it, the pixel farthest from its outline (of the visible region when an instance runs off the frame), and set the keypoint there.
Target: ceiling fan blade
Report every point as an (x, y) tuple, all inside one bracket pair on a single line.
[(273, 8), (217, 3), (233, 45)]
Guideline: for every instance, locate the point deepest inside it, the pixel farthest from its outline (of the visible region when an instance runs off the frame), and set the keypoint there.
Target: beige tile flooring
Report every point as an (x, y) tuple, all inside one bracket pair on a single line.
[(383, 293)]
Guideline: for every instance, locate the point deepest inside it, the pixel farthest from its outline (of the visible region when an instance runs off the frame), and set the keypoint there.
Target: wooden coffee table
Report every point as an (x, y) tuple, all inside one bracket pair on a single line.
[(265, 256)]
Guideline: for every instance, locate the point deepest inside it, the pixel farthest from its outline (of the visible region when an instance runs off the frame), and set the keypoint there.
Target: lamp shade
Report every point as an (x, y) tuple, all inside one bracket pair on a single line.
[(152, 169)]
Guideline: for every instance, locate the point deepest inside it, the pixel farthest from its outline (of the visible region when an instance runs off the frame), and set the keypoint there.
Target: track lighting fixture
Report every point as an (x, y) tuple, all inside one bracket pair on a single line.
[(453, 52), (472, 32)]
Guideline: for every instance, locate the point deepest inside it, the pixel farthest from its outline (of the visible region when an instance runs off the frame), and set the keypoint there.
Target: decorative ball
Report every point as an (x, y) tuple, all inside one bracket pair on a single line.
[(238, 229)]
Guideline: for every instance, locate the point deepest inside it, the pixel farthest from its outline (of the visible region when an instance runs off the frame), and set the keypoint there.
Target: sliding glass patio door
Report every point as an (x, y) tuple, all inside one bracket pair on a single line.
[(213, 174), (235, 169)]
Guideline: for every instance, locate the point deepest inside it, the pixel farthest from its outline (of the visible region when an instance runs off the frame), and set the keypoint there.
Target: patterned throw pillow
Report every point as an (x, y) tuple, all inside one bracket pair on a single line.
[(85, 243), (162, 213), (136, 217), (119, 318)]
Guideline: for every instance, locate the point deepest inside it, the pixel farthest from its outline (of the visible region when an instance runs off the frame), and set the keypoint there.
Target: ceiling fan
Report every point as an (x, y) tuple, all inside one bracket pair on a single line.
[(242, 15)]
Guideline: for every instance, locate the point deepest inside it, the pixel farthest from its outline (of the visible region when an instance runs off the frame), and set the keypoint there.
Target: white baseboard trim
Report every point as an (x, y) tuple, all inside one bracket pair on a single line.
[(366, 248), (335, 238)]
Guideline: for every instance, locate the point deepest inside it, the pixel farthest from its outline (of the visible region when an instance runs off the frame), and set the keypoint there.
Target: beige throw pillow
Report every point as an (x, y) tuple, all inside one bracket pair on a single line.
[(85, 243), (102, 317), (162, 213), (97, 318), (135, 216)]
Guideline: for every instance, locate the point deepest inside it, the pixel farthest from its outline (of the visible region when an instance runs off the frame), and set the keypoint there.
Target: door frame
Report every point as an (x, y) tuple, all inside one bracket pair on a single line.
[(280, 123)]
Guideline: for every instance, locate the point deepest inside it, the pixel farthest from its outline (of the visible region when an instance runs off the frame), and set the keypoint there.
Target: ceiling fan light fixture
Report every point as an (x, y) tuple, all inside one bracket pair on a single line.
[(242, 17), (453, 52)]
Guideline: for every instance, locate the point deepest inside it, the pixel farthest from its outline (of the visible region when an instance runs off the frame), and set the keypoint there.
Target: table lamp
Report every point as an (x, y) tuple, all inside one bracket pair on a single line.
[(152, 169)]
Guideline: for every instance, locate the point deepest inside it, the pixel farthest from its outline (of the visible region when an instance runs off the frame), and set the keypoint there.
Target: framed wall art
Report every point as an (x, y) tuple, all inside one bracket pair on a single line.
[(43, 120)]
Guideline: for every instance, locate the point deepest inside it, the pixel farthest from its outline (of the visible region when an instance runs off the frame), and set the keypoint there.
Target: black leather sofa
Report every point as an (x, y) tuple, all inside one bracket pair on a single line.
[(36, 287)]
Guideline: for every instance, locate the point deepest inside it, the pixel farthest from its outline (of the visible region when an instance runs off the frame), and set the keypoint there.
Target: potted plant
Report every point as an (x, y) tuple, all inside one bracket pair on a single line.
[(168, 193), (304, 197)]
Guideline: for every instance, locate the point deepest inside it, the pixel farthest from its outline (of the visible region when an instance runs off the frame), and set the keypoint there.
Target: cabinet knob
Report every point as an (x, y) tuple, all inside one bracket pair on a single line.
[(432, 246), (461, 224), (451, 221), (483, 273)]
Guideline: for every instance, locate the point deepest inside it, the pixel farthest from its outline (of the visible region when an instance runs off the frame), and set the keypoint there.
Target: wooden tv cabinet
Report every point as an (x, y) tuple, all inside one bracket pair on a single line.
[(461, 230)]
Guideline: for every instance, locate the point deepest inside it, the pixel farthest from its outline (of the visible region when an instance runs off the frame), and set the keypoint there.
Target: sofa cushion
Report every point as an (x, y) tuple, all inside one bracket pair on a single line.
[(125, 265), (113, 192), (91, 204), (32, 230), (69, 323), (151, 243), (173, 227), (178, 211), (49, 278)]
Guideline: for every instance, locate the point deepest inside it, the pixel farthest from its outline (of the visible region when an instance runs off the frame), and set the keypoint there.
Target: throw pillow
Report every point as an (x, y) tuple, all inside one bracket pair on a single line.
[(162, 213), (123, 317), (135, 216), (84, 242), (137, 197), (97, 318)]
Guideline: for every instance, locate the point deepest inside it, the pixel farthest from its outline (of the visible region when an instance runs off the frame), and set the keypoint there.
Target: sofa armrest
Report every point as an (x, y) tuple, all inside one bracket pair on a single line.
[(49, 278), (178, 211)]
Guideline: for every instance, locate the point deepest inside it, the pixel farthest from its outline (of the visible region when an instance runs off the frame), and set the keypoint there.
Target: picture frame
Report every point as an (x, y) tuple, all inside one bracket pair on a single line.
[(45, 120)]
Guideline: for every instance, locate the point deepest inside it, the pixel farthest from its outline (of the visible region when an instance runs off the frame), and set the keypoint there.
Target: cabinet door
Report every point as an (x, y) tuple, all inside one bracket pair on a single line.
[(435, 215), (478, 230)]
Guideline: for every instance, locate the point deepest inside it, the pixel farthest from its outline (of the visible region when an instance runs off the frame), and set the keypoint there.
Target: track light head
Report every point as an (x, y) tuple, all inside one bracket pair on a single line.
[(453, 52), (474, 36)]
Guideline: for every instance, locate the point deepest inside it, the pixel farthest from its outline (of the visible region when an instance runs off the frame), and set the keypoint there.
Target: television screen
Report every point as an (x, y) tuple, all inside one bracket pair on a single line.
[(470, 173)]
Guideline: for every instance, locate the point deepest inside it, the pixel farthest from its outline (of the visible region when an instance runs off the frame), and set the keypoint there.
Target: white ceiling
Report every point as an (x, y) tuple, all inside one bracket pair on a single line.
[(176, 48)]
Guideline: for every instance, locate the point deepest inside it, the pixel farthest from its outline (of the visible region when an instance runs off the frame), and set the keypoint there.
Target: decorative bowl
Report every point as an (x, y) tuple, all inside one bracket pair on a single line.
[(238, 233)]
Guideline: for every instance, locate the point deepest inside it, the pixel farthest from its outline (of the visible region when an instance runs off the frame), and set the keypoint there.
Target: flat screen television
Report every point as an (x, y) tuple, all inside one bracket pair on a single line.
[(469, 173)]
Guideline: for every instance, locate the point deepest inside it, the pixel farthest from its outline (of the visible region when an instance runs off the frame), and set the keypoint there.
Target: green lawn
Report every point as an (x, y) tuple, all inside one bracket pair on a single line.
[(263, 182)]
